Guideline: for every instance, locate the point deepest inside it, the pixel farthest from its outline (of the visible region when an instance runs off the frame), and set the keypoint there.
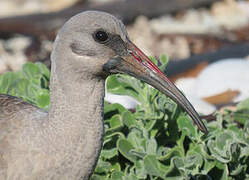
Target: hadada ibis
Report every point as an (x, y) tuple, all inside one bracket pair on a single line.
[(65, 142)]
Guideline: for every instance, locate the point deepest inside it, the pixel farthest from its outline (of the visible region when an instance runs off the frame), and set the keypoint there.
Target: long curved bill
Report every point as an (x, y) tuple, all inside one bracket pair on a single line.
[(137, 64)]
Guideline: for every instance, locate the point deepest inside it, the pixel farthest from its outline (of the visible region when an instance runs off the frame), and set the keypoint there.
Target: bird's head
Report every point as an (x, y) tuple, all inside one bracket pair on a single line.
[(96, 44)]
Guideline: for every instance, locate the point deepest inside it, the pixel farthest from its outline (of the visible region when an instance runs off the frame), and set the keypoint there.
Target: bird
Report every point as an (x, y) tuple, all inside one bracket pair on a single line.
[(64, 143)]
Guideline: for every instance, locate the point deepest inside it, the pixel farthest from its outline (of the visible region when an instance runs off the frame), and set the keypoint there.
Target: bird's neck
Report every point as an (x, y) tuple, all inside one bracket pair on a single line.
[(76, 116), (79, 105)]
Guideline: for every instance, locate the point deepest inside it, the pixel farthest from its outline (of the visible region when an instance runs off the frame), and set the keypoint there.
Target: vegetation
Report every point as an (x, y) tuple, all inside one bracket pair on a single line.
[(158, 140)]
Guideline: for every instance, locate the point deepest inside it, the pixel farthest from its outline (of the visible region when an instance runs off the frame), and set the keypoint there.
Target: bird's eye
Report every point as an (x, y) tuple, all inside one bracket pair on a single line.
[(101, 36)]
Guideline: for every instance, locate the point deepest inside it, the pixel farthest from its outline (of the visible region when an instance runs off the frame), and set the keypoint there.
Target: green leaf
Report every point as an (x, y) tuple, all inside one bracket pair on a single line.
[(164, 61), (120, 84), (243, 105), (115, 124), (125, 148), (186, 126), (130, 177), (99, 177), (31, 71), (224, 168), (116, 121), (112, 109), (193, 161), (151, 165), (241, 116), (217, 153), (222, 140), (135, 138), (103, 167), (151, 146), (140, 169), (117, 175), (23, 88), (176, 151), (208, 165), (128, 119), (109, 153), (176, 164), (242, 112), (43, 99), (6, 80), (43, 69)]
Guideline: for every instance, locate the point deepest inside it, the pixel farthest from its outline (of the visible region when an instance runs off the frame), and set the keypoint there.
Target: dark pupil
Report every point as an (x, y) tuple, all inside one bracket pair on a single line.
[(101, 36)]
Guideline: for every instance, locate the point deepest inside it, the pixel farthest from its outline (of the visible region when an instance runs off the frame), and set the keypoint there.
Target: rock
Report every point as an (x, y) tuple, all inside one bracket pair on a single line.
[(187, 86), (12, 55), (227, 74), (21, 7), (224, 15), (226, 78), (126, 101)]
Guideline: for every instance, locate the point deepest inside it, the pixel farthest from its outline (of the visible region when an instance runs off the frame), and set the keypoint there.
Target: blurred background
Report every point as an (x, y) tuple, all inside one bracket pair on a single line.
[(206, 41)]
